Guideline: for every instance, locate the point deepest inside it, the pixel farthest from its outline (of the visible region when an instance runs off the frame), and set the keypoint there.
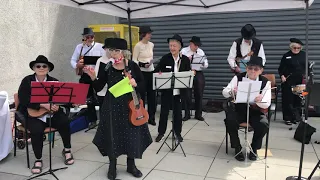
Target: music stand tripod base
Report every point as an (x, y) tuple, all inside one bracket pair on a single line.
[(173, 80)]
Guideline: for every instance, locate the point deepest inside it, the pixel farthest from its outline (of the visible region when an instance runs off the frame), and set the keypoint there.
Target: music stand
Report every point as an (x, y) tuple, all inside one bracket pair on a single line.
[(57, 93), (249, 99), (172, 80)]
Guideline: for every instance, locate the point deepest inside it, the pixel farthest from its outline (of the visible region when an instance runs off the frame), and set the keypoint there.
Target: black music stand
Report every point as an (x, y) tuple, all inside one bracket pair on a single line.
[(56, 93), (173, 80)]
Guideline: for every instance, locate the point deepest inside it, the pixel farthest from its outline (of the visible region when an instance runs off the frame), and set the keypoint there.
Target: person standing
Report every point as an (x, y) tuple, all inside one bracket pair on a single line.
[(88, 48), (100, 66), (292, 71), (142, 55), (195, 54), (115, 135), (172, 62), (244, 48)]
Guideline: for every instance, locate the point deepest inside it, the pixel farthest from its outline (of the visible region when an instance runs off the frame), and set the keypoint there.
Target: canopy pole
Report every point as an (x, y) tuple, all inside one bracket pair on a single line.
[(305, 120), (129, 24)]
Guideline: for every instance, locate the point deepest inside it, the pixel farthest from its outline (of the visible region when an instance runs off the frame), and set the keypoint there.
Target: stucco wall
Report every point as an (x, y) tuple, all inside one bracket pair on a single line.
[(32, 27)]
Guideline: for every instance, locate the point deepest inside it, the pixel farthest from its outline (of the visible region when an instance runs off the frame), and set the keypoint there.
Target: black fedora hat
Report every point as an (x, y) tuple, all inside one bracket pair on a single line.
[(295, 40), (145, 29), (41, 59), (177, 38), (87, 31), (107, 43), (255, 61), (248, 32), (118, 43), (196, 40)]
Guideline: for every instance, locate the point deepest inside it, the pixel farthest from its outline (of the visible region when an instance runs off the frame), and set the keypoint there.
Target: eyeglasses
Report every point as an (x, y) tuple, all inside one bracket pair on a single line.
[(41, 66), (296, 48), (253, 68), (89, 37)]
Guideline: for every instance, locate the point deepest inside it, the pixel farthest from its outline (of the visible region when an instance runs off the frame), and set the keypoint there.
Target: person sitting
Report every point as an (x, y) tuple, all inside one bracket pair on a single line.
[(36, 125), (257, 122)]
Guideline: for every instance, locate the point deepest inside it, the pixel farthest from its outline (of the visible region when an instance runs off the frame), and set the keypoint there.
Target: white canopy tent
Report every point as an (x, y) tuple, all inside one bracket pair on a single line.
[(134, 9)]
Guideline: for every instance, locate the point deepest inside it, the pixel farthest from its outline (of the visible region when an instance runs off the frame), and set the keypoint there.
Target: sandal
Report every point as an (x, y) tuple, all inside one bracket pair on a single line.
[(37, 167), (66, 161)]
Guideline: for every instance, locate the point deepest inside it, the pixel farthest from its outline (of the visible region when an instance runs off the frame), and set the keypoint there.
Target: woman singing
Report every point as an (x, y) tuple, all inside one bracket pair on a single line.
[(36, 125), (292, 70), (116, 135), (142, 55)]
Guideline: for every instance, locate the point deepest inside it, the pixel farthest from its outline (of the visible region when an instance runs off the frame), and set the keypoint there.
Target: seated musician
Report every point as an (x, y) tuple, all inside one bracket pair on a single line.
[(256, 120), (36, 125)]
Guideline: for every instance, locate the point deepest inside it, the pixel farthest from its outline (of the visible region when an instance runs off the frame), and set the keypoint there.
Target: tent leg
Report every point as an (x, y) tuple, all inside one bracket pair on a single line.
[(130, 35)]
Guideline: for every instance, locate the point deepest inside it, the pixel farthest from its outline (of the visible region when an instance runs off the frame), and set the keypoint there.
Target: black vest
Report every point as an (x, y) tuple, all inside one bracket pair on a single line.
[(256, 44), (261, 78)]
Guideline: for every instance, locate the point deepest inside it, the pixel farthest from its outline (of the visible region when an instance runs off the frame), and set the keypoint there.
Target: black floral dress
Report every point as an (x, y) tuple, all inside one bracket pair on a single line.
[(115, 134)]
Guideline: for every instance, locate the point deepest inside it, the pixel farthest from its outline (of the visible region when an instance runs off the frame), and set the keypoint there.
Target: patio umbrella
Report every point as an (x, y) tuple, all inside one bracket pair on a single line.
[(133, 9)]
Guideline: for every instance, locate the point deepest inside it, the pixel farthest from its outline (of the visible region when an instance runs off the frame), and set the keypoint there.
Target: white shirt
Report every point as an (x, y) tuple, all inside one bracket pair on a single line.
[(176, 69), (143, 53), (105, 60), (44, 117), (188, 52), (245, 49), (97, 50), (266, 92)]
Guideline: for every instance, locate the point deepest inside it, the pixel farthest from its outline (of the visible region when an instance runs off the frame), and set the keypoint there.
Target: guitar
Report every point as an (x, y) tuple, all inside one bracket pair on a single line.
[(138, 114), (38, 113)]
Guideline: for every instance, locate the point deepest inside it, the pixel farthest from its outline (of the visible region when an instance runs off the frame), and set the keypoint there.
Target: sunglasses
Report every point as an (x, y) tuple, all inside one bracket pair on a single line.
[(89, 37), (253, 68), (41, 66), (296, 48)]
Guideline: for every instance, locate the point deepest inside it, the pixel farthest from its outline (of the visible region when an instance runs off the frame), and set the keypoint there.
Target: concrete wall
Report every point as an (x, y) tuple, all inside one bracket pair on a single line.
[(29, 28)]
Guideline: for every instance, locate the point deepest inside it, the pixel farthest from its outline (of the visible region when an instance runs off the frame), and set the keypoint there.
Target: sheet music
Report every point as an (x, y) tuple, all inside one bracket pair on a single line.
[(184, 80), (242, 92), (161, 80), (196, 66), (197, 59)]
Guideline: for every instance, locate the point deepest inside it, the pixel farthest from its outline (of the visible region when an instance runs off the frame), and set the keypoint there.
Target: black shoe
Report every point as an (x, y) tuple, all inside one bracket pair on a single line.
[(132, 169), (200, 118), (92, 125), (288, 122), (252, 156), (239, 155), (186, 118), (159, 137), (152, 122), (179, 138), (112, 172)]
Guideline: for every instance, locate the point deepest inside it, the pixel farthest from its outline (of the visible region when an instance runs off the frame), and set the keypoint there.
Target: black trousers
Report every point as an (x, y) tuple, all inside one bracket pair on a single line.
[(36, 127), (151, 95), (100, 99), (166, 102), (92, 114), (258, 123), (291, 103), (198, 88)]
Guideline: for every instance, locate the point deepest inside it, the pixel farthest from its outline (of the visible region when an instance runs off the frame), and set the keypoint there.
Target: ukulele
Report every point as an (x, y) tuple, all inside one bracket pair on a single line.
[(138, 114), (238, 59), (38, 113), (79, 71)]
